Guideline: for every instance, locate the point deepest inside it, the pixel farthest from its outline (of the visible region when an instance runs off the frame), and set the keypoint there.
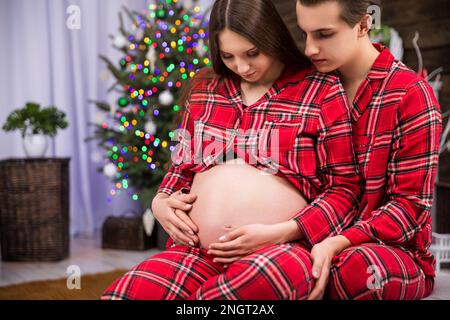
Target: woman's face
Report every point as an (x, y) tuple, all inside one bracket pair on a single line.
[(330, 42), (244, 58)]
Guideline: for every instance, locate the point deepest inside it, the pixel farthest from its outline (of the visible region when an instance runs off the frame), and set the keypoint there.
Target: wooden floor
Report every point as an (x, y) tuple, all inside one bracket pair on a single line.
[(87, 254)]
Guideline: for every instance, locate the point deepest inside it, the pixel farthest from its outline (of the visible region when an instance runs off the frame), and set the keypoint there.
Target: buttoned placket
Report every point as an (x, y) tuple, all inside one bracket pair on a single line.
[(364, 95), (361, 101), (237, 103)]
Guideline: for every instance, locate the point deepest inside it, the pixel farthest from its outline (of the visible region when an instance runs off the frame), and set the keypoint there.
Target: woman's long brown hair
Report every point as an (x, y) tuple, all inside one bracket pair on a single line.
[(260, 23)]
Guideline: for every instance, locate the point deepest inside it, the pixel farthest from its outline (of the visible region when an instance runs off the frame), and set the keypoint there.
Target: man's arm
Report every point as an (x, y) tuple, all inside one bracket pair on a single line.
[(334, 209), (411, 173)]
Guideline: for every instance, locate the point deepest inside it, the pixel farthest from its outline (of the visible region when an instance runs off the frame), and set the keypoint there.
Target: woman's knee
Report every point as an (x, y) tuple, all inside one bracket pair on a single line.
[(169, 275), (276, 272), (144, 282), (288, 270)]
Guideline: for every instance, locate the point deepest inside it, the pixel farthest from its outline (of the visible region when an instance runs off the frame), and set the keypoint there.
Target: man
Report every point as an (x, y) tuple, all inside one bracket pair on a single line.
[(396, 130)]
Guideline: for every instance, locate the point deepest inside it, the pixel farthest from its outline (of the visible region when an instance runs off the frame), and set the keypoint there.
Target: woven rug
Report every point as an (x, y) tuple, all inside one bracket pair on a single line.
[(92, 287)]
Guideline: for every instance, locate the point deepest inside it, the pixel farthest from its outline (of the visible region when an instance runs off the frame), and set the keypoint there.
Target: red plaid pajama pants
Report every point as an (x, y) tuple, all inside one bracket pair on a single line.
[(373, 272), (183, 272), (367, 271)]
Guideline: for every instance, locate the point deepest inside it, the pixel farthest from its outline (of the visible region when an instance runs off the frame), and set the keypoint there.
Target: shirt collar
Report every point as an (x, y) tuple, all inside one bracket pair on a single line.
[(382, 65), (230, 86)]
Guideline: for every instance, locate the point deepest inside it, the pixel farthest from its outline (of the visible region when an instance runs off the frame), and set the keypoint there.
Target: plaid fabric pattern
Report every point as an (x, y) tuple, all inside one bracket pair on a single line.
[(397, 125), (300, 130), (377, 272), (188, 273)]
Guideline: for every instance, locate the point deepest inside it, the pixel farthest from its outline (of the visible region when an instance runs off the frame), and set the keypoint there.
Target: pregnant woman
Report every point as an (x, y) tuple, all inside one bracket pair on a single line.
[(264, 169)]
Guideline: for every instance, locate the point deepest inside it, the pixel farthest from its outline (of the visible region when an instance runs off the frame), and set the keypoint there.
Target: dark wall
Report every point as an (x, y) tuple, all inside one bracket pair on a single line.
[(431, 18)]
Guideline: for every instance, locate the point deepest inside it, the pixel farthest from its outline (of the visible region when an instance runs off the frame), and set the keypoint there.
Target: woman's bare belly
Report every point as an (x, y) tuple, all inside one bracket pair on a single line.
[(234, 194)]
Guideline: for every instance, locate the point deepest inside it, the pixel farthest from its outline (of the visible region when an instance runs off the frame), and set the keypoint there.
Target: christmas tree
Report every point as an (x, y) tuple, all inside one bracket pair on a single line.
[(164, 49)]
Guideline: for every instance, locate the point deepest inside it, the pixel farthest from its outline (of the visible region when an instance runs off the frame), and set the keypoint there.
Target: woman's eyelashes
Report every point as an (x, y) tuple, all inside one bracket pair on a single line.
[(251, 54), (303, 34)]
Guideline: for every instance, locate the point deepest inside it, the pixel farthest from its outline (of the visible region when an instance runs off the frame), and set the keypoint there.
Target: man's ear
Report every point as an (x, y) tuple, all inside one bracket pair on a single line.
[(365, 25)]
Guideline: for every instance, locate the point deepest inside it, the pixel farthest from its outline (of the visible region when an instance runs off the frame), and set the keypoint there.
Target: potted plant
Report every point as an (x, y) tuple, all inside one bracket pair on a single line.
[(35, 125)]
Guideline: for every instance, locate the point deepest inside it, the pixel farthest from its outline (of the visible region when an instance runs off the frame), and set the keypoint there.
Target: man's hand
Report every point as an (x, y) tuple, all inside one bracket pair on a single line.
[(322, 255)]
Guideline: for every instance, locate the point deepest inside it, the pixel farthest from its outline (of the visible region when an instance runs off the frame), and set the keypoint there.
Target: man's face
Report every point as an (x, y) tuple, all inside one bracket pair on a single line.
[(330, 42)]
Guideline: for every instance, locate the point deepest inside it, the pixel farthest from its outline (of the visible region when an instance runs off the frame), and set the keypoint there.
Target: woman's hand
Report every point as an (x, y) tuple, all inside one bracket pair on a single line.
[(171, 213), (242, 241), (322, 255)]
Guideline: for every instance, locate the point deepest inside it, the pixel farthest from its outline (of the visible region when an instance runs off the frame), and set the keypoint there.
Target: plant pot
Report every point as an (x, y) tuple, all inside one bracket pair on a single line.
[(35, 145)]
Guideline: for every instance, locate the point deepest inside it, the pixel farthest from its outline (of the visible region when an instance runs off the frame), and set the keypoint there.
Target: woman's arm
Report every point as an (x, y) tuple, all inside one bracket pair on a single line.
[(178, 178), (170, 205), (333, 210)]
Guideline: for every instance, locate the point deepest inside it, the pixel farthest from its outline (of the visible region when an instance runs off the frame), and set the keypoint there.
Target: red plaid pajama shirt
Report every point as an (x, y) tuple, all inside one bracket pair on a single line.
[(396, 132), (300, 130)]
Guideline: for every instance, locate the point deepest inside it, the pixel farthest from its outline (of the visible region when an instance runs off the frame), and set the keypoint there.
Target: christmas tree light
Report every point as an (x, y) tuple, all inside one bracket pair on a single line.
[(162, 52)]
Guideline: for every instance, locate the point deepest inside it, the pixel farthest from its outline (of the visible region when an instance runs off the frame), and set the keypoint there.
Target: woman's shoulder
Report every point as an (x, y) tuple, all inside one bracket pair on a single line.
[(308, 79), (319, 86), (206, 86), (326, 79), (203, 79), (201, 85)]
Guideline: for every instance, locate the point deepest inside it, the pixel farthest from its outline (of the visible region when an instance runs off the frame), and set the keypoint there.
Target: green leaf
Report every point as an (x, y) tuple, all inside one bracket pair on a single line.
[(32, 118)]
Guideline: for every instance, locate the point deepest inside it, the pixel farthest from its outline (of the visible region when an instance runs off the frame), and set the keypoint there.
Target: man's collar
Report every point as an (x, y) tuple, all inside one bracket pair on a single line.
[(382, 65)]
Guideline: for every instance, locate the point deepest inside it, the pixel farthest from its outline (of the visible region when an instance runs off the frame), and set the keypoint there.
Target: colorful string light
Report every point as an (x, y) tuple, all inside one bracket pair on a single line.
[(164, 56)]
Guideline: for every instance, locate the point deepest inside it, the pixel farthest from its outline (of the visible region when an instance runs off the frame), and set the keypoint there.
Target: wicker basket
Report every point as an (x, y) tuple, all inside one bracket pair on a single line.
[(126, 232), (34, 209)]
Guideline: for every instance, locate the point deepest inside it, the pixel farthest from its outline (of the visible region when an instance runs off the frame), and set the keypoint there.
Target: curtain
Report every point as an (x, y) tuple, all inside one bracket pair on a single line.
[(43, 60)]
